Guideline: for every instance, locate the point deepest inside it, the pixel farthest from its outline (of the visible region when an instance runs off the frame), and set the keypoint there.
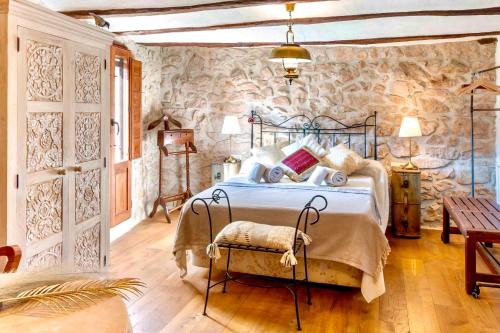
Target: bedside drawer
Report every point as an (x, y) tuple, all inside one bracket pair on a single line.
[(405, 187), (177, 137), (406, 220)]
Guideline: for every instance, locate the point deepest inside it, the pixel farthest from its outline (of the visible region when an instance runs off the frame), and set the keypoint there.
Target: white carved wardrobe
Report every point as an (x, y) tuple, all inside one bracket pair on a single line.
[(54, 135)]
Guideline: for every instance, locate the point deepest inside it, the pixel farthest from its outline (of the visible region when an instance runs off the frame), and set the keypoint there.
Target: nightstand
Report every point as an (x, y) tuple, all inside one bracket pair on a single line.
[(222, 171), (405, 190), (217, 173)]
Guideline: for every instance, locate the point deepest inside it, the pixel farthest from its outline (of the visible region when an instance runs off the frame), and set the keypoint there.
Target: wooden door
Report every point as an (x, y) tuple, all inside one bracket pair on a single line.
[(62, 173), (88, 146), (121, 177)]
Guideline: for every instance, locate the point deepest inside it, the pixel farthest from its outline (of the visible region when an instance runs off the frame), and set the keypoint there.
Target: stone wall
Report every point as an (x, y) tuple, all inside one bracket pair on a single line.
[(201, 85)]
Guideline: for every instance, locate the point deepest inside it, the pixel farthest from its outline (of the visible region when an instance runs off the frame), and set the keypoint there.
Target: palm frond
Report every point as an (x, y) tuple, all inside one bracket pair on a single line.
[(73, 295)]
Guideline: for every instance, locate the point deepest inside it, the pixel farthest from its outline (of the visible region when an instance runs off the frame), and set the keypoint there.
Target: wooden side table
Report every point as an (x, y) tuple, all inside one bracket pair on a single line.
[(217, 173), (405, 190)]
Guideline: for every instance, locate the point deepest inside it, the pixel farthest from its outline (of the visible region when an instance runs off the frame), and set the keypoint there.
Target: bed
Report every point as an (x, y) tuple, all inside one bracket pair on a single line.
[(349, 246)]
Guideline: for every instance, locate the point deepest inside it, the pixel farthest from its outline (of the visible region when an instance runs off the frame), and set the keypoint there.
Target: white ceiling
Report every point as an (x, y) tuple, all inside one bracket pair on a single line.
[(345, 30), (65, 5), (378, 28)]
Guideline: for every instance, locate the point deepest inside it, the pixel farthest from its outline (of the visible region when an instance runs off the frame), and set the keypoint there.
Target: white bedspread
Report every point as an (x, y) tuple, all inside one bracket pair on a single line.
[(351, 229)]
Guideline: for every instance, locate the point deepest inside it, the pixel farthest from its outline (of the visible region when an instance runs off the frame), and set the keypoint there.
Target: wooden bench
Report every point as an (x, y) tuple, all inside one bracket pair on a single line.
[(478, 220)]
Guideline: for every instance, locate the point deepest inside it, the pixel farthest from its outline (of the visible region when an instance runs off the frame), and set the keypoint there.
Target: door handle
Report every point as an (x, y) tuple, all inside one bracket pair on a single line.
[(61, 171), (113, 123), (77, 168)]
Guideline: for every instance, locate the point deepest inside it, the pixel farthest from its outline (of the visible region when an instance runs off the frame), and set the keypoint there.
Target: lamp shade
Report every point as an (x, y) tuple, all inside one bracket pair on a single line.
[(290, 52), (410, 127), (231, 125)]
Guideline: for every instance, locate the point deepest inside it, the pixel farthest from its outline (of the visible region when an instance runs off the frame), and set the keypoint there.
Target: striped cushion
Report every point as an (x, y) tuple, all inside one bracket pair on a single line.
[(253, 234), (299, 165)]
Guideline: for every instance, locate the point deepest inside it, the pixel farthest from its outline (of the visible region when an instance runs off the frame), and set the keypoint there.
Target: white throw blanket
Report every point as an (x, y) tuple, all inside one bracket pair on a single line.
[(273, 174)]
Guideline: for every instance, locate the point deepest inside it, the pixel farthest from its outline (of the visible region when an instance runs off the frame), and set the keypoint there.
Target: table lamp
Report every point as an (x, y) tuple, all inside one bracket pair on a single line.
[(230, 127), (410, 128)]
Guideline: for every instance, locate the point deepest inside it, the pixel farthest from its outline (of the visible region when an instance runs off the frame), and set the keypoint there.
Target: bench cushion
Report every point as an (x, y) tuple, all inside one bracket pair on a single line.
[(251, 234)]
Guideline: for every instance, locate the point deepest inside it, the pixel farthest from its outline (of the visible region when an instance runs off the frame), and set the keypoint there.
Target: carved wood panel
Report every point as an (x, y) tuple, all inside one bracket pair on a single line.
[(44, 141), (87, 249), (44, 209), (88, 195), (87, 78), (47, 258), (61, 213), (45, 72), (88, 136)]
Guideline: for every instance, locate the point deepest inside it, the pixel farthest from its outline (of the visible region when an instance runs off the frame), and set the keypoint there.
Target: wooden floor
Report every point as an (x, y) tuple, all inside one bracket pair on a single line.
[(424, 281)]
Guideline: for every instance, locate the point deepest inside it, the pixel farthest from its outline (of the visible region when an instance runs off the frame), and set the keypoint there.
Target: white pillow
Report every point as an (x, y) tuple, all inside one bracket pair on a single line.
[(247, 165), (310, 141), (270, 155), (291, 148), (342, 158)]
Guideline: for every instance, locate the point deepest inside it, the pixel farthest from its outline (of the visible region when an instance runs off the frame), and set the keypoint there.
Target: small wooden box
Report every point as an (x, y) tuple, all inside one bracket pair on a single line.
[(405, 196)]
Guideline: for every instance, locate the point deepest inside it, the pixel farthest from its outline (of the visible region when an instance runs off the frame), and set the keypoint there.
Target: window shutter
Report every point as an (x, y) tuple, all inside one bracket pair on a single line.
[(136, 108)]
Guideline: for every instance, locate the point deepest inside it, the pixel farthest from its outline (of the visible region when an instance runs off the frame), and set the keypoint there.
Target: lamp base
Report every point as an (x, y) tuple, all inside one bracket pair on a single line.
[(231, 159), (409, 166)]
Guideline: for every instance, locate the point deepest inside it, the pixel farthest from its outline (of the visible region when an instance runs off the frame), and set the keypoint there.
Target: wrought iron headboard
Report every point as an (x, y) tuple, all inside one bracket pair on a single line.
[(302, 124)]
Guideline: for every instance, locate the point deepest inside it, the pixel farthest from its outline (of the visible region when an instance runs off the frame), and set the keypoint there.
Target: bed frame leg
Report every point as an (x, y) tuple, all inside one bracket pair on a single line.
[(227, 270), (208, 287), (307, 278), (295, 298)]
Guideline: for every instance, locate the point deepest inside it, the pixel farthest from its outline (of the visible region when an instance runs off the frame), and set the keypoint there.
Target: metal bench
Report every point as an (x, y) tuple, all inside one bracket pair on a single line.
[(478, 220), (308, 216)]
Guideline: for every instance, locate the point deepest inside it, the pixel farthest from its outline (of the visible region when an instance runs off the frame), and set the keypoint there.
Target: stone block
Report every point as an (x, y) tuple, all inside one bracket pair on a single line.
[(429, 162)]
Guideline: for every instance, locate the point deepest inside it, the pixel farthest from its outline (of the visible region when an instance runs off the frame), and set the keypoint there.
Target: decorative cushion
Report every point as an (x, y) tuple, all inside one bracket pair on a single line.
[(342, 158), (269, 155), (257, 234), (299, 165)]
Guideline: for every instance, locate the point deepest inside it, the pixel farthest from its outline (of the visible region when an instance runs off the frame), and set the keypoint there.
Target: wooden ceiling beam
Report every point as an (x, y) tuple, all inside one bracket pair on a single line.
[(365, 41), (317, 20), (84, 13)]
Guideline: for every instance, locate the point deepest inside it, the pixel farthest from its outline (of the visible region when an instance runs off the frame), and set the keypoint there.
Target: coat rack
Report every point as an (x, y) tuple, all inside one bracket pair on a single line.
[(178, 137), (470, 90)]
